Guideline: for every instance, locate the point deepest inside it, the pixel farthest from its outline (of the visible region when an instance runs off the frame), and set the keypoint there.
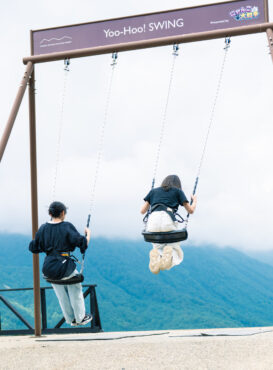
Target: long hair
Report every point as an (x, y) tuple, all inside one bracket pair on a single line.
[(171, 181)]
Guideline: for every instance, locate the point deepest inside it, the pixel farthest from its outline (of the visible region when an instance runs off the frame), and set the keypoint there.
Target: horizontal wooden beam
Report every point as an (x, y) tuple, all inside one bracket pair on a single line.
[(135, 45)]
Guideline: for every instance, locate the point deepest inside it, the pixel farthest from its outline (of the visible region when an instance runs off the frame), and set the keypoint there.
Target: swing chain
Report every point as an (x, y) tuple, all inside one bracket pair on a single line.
[(102, 132), (226, 48), (164, 117), (58, 149), (163, 124)]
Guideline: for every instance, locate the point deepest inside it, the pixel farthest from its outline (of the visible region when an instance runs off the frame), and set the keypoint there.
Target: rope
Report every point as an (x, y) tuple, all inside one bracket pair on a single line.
[(226, 48), (58, 150), (102, 133), (164, 117), (211, 119)]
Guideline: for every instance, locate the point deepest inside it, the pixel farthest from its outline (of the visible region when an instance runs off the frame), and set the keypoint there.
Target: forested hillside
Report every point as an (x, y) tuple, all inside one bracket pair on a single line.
[(213, 287)]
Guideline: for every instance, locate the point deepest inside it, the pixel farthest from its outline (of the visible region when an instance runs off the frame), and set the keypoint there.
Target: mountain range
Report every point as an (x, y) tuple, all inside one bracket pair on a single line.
[(213, 287)]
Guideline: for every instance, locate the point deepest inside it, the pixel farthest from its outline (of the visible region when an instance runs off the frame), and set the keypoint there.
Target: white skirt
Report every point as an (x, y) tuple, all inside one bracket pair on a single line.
[(160, 221)]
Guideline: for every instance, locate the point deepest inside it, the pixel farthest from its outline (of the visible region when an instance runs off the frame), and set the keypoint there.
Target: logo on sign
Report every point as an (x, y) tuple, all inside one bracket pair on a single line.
[(55, 41), (245, 13)]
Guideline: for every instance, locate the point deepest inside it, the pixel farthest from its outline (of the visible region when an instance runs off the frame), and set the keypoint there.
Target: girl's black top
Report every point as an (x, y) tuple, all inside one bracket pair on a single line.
[(172, 198), (53, 238)]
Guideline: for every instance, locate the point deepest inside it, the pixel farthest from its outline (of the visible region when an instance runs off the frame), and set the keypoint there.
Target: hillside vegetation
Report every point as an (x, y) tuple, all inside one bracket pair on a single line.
[(213, 287)]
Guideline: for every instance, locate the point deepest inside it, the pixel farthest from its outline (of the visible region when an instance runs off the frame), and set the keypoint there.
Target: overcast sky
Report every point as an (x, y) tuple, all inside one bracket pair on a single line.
[(235, 190)]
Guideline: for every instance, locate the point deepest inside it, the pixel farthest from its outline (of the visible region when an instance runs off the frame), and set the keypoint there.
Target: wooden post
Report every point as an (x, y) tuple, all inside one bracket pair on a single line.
[(34, 202), (269, 33), (15, 109)]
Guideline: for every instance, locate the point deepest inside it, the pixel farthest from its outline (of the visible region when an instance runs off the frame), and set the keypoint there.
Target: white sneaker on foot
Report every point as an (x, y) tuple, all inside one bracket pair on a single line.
[(167, 258), (74, 323), (87, 318), (154, 264)]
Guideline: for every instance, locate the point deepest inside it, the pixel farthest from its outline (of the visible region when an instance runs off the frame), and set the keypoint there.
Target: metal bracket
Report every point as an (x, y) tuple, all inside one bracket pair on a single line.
[(175, 49), (114, 59), (227, 43), (66, 64)]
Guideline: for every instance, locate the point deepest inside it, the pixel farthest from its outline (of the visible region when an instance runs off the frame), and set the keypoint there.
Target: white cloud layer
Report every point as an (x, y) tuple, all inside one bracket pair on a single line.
[(235, 193)]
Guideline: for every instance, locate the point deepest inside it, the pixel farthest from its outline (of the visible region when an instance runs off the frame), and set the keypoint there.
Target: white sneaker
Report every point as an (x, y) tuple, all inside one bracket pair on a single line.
[(154, 264), (74, 323), (167, 258), (87, 318)]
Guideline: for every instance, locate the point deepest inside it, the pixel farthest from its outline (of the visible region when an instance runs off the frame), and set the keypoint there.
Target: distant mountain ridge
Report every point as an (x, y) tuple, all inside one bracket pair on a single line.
[(213, 287), (262, 256)]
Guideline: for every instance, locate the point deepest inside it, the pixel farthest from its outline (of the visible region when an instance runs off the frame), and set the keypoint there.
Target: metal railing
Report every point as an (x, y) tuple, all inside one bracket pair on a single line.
[(95, 324)]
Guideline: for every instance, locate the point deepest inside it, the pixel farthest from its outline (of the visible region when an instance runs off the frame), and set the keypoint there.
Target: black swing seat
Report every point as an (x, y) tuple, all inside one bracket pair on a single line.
[(165, 237), (79, 278)]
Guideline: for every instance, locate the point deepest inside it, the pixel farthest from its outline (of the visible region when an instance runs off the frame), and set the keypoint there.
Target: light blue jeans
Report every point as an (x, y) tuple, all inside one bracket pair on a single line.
[(71, 300)]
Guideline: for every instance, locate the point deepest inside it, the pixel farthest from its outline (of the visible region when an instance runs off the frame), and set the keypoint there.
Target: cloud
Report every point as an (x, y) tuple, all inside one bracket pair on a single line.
[(235, 189)]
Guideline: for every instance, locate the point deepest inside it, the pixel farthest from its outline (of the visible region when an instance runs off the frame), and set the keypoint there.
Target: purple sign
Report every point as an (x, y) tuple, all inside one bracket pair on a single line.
[(150, 26)]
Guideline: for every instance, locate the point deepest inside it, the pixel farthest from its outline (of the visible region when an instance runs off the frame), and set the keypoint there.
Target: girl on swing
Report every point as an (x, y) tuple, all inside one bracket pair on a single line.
[(57, 238), (170, 195)]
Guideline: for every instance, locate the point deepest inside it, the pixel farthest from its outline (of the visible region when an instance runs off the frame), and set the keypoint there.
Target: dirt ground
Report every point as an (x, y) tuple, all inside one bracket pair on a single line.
[(232, 349)]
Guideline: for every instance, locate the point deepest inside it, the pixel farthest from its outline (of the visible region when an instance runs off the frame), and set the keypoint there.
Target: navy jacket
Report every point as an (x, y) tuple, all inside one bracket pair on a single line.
[(53, 239)]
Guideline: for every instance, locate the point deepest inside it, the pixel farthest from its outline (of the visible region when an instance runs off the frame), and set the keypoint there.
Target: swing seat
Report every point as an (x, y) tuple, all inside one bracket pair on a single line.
[(165, 237), (79, 278)]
